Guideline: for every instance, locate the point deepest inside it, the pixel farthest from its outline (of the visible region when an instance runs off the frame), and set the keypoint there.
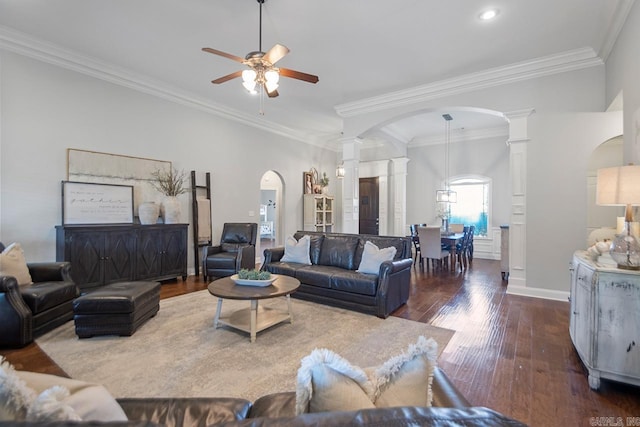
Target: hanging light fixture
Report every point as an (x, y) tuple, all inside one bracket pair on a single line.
[(340, 171), (446, 195)]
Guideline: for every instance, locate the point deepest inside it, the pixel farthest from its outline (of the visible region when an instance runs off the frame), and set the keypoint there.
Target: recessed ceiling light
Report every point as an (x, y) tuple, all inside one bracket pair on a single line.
[(488, 14)]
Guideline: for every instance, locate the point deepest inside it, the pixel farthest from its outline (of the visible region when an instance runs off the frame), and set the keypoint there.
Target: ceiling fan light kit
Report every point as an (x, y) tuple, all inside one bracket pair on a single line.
[(262, 75)]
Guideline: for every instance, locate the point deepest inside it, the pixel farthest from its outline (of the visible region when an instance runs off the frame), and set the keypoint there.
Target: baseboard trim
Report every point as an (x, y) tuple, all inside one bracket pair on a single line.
[(538, 293)]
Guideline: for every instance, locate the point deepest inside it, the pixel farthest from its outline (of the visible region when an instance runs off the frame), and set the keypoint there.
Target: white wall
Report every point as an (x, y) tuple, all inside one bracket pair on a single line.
[(623, 74), (46, 109)]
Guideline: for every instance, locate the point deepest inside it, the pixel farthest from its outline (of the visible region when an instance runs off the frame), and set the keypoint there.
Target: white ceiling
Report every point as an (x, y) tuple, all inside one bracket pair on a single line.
[(358, 48)]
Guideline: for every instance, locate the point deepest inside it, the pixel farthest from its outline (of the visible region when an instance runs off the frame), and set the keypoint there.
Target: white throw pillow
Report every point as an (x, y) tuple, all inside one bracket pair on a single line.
[(372, 257), (13, 263), (15, 396), (297, 250), (328, 382), (50, 406), (89, 401)]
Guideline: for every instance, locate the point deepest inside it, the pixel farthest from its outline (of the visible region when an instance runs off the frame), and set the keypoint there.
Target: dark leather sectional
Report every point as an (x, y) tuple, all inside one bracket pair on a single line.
[(332, 277)]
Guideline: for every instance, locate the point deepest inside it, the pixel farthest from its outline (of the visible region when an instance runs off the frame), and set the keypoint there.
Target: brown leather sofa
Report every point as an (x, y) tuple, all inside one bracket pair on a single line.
[(332, 277), (449, 408), (29, 311)]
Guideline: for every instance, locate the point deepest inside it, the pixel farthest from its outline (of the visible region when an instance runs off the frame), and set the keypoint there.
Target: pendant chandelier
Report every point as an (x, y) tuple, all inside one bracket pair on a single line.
[(446, 195)]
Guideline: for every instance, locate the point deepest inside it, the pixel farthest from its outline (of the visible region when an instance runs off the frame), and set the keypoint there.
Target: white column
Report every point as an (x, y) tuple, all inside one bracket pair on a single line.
[(399, 196), (518, 139), (351, 185)]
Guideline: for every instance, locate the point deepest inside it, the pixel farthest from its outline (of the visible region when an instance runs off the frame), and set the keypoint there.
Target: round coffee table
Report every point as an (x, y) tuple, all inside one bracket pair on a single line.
[(253, 319)]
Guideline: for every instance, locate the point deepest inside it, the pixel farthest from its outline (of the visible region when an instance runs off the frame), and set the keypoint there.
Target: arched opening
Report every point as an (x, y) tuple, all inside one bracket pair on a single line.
[(270, 212)]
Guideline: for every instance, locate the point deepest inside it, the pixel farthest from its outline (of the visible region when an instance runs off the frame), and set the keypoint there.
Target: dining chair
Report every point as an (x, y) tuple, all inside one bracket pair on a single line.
[(430, 246), (472, 231), (416, 242), (462, 248)]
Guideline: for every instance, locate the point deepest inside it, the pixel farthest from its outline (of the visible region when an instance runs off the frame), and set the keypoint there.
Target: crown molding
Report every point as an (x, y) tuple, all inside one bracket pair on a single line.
[(617, 22), (553, 64), (26, 45)]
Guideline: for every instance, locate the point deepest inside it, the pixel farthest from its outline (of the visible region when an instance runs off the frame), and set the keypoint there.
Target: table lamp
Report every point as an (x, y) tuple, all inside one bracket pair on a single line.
[(620, 186)]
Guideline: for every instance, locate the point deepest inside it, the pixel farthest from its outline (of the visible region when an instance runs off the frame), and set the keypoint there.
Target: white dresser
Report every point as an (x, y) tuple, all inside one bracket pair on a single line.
[(605, 319)]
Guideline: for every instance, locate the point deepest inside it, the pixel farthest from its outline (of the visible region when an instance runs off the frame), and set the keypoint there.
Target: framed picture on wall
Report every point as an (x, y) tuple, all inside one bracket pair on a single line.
[(307, 183), (91, 203)]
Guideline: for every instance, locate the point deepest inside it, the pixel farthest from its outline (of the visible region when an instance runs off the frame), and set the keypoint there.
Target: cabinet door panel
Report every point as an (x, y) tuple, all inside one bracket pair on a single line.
[(175, 252), (119, 256), (619, 326), (582, 312), (85, 255), (149, 254)]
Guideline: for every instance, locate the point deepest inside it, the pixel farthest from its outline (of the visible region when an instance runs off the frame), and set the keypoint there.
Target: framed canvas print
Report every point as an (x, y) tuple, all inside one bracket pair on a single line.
[(307, 183), (93, 203)]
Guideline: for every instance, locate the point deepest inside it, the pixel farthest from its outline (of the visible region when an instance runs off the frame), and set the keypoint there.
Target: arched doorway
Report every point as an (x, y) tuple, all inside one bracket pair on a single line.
[(270, 222)]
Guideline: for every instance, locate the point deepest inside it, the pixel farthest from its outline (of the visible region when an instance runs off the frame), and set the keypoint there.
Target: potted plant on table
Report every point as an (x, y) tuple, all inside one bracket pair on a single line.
[(324, 183), (170, 183)]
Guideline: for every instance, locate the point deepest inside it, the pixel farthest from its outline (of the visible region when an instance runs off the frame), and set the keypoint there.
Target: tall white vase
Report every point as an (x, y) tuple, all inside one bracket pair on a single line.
[(171, 210)]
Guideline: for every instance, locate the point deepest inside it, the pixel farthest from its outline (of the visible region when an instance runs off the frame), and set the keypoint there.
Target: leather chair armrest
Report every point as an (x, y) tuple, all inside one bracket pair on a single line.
[(246, 257), (272, 255), (16, 320), (390, 267), (445, 394), (50, 271)]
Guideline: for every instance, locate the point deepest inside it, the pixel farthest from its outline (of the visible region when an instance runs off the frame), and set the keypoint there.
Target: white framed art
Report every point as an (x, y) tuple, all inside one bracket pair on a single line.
[(92, 203)]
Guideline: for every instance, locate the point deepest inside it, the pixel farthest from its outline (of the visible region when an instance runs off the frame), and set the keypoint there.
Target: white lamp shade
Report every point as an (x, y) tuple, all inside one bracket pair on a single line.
[(249, 76), (618, 186), (447, 196)]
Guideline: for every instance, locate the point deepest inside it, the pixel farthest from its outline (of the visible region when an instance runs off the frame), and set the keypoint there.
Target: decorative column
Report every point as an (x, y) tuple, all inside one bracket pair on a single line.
[(351, 185), (399, 196), (518, 139)]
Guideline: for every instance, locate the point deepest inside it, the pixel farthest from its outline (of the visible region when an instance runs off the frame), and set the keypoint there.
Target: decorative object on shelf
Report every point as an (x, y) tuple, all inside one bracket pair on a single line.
[(340, 171), (171, 184), (324, 183), (618, 186), (307, 183), (148, 212)]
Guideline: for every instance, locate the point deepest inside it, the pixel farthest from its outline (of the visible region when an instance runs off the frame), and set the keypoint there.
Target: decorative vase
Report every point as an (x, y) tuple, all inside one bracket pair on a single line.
[(148, 213), (171, 210), (325, 189)]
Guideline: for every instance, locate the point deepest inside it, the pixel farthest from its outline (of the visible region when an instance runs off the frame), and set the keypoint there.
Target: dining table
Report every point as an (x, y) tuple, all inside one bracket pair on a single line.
[(452, 240)]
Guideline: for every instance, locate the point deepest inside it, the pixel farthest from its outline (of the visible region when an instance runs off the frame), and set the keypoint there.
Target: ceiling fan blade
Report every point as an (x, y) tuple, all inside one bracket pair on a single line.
[(276, 53), (227, 77), (225, 54), (298, 75)]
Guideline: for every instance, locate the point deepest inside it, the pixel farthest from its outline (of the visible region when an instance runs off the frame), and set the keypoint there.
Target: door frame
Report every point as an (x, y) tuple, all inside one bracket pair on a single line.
[(379, 169)]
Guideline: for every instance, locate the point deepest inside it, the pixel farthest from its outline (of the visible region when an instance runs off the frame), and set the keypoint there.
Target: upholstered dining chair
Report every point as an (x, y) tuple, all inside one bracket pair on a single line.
[(431, 247), (237, 250), (456, 228)]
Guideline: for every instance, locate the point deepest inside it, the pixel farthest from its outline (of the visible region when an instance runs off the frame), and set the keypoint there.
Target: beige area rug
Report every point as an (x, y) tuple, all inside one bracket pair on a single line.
[(179, 353)]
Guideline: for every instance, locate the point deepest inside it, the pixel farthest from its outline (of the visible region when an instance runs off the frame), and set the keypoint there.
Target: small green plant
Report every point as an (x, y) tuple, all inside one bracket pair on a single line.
[(246, 274)]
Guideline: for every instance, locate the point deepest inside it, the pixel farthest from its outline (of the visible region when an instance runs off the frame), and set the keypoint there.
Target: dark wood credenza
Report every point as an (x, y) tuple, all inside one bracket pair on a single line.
[(102, 254)]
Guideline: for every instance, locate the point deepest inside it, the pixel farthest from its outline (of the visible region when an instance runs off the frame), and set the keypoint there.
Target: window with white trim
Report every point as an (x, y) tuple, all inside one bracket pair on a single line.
[(472, 207)]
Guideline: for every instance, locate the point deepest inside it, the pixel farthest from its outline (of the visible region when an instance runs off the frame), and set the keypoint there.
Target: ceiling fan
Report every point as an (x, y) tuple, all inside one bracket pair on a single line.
[(261, 72)]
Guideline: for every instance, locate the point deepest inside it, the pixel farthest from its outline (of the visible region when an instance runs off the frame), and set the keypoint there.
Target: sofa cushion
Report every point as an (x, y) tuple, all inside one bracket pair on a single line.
[(328, 382), (372, 257), (317, 275), (13, 263), (354, 282), (339, 251), (50, 406), (285, 268), (42, 296), (315, 245), (15, 396), (223, 260), (297, 250)]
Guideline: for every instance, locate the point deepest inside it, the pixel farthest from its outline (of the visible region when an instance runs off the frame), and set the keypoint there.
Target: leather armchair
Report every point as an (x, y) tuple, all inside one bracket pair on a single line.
[(237, 250), (28, 311)]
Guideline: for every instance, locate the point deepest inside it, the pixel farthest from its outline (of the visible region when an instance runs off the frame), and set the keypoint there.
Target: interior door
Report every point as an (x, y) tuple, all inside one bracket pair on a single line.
[(369, 202)]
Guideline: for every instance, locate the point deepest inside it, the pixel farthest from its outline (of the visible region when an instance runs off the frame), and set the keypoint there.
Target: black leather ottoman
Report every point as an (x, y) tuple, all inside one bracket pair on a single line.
[(116, 309)]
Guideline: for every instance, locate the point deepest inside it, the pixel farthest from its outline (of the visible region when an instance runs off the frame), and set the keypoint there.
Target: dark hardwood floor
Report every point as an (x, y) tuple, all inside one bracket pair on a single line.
[(510, 353)]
